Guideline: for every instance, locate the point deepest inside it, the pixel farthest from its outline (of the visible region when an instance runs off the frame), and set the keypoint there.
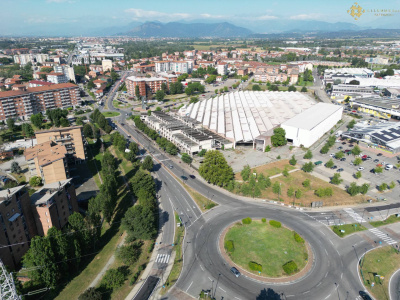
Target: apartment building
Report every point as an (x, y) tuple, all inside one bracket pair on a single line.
[(22, 104), (152, 84), (222, 68), (66, 70), (70, 137), (57, 78), (23, 59), (173, 66), (53, 204), (50, 161), (106, 64), (18, 226)]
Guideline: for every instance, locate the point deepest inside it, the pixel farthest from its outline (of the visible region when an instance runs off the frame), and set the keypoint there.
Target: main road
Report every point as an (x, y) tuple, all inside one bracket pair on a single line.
[(333, 274)]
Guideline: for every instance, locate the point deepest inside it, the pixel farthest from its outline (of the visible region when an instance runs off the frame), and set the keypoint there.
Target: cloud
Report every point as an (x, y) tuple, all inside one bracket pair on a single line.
[(312, 16), (152, 14), (208, 16), (266, 17)]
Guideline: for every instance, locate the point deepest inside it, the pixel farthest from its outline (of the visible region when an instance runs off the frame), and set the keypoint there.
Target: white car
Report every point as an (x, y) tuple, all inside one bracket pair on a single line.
[(332, 155), (360, 168)]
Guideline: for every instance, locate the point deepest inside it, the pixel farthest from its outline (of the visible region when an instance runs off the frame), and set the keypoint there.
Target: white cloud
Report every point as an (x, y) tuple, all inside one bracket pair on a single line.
[(266, 17), (312, 16), (152, 14), (208, 16)]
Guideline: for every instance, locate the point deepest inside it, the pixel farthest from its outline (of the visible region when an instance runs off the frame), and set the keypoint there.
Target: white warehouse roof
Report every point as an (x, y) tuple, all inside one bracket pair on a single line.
[(313, 116), (243, 115)]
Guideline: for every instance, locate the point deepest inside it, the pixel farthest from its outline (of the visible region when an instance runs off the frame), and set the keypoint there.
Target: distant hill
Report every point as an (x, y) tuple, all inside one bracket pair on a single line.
[(191, 30)]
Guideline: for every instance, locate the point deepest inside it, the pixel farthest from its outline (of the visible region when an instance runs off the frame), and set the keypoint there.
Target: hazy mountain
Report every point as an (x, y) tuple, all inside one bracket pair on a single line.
[(113, 30), (188, 30)]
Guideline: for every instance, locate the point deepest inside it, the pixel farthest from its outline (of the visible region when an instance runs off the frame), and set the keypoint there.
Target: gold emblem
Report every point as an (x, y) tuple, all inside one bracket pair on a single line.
[(356, 11)]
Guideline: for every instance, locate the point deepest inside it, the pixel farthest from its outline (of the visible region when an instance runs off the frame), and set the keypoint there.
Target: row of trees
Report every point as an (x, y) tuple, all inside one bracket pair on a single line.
[(97, 117), (58, 117)]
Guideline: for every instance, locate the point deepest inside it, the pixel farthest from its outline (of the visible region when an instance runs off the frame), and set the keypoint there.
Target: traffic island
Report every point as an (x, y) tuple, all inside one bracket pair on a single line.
[(266, 251)]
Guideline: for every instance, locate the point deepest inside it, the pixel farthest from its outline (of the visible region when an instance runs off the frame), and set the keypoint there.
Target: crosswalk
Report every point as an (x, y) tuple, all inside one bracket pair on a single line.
[(354, 215), (383, 236), (162, 258)]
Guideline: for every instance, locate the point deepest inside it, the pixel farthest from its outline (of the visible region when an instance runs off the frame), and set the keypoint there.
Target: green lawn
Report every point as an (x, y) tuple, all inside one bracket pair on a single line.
[(109, 114), (119, 104), (348, 229), (384, 262), (390, 220), (266, 245)]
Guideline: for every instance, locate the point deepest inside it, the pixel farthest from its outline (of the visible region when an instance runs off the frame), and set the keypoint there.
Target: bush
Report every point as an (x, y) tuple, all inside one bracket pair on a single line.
[(275, 224), (255, 266), (229, 246), (264, 220), (128, 254), (35, 181), (290, 267), (114, 278), (246, 220), (268, 148), (90, 294), (298, 238)]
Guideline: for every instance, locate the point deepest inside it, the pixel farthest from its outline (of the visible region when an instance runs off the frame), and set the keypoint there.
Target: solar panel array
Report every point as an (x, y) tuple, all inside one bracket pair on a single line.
[(244, 115)]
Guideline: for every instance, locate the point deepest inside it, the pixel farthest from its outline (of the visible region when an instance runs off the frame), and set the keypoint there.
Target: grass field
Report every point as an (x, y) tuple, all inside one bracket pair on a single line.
[(390, 220), (348, 229), (109, 114), (119, 104), (384, 262), (20, 177), (266, 245), (270, 169)]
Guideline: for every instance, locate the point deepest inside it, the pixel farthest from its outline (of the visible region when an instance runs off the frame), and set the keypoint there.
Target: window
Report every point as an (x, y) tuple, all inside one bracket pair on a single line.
[(48, 221), (45, 213)]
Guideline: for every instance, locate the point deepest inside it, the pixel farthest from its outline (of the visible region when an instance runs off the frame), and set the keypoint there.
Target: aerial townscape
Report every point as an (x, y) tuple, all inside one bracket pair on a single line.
[(218, 150)]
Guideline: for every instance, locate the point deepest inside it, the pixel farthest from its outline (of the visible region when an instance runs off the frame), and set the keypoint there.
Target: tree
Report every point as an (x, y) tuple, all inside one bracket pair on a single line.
[(245, 173), (134, 147), (339, 155), (64, 122), (308, 167), (308, 155), (298, 194), (383, 187), (306, 183), (216, 91), (276, 188), (392, 185), (186, 158), (91, 294), (293, 161), (351, 124), (171, 149), (364, 188), (378, 170), (356, 150), (279, 137), (35, 181), (15, 168), (292, 88), (285, 173), (137, 92), (215, 169), (324, 149), (88, 131), (303, 89), (148, 163), (290, 192), (114, 278), (11, 124), (357, 161), (336, 179), (128, 254), (139, 222), (358, 175), (353, 189), (142, 180), (91, 85), (329, 163), (256, 87), (225, 89), (37, 120), (27, 130), (160, 95)]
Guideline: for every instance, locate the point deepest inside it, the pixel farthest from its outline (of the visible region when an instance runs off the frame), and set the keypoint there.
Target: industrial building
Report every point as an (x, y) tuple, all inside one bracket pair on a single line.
[(383, 108), (307, 127), (244, 116), (385, 136)]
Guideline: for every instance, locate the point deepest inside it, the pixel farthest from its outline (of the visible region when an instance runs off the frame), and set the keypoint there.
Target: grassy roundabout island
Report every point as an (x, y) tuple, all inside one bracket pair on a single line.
[(266, 247)]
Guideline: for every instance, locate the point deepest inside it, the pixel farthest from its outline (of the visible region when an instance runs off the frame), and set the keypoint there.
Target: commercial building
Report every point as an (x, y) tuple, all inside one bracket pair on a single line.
[(242, 116), (53, 204), (379, 83), (383, 108), (384, 136), (310, 125), (146, 85), (57, 78), (377, 60), (350, 89), (357, 72), (22, 104)]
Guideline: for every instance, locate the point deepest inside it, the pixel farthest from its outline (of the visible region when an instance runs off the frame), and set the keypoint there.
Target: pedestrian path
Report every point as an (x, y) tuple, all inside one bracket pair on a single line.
[(382, 236), (354, 215)]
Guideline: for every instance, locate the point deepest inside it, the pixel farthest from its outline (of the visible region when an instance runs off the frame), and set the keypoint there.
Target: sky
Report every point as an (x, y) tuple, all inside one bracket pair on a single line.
[(28, 16)]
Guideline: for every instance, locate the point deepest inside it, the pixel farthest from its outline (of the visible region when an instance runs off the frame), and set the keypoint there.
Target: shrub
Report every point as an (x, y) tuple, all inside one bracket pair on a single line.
[(255, 266), (246, 220), (35, 181), (268, 148), (114, 278), (290, 267), (90, 294), (298, 238), (264, 220), (129, 254), (229, 246), (275, 224)]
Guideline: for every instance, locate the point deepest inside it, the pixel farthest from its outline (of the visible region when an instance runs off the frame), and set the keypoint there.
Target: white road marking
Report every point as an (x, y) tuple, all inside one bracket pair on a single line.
[(383, 236), (222, 289), (354, 215), (201, 268), (189, 287), (210, 279)]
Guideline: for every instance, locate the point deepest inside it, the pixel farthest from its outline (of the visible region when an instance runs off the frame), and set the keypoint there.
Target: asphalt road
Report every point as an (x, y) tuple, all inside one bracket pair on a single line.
[(394, 286), (334, 273)]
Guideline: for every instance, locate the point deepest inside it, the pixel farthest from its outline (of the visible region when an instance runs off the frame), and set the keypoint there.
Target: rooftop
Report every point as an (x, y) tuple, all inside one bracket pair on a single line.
[(37, 89), (46, 153), (47, 192), (4, 194)]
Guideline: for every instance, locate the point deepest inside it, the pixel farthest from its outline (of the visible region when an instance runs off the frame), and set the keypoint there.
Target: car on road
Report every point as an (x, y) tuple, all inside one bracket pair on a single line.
[(192, 176), (235, 271), (171, 166), (340, 170), (360, 169), (184, 177), (364, 295)]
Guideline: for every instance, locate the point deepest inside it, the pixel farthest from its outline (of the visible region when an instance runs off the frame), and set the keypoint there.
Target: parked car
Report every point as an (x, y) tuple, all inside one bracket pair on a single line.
[(360, 168), (334, 167), (317, 163), (343, 159), (340, 170), (332, 155), (340, 148), (344, 143), (347, 151), (379, 154)]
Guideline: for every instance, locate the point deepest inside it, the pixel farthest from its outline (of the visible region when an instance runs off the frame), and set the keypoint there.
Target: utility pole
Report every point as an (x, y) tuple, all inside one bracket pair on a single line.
[(7, 286)]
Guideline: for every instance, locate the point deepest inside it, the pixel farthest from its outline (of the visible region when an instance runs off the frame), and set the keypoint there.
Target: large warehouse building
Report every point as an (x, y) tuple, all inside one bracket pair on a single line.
[(249, 117), (310, 125)]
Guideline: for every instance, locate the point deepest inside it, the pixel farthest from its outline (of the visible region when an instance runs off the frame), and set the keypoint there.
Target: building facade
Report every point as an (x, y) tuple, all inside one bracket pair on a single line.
[(57, 78), (152, 84)]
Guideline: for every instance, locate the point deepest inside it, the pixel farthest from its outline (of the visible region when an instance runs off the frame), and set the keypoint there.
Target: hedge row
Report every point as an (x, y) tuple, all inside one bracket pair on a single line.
[(298, 238), (229, 246), (290, 267), (275, 224), (246, 220), (255, 266)]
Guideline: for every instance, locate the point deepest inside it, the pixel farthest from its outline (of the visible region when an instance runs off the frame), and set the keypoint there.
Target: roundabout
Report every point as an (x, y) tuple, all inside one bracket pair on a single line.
[(262, 250)]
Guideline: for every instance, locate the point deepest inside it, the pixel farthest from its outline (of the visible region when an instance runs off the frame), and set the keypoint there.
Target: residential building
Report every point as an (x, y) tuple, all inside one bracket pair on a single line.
[(57, 78), (152, 84), (67, 70), (377, 60), (222, 68), (23, 104), (17, 225), (173, 66), (107, 64), (53, 204), (36, 83)]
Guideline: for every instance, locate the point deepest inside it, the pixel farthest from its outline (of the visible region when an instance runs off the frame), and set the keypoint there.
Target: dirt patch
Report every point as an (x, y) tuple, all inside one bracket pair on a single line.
[(270, 169)]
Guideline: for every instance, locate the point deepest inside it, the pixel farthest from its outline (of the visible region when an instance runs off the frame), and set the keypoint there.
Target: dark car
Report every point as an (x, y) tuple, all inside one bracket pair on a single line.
[(344, 143), (365, 296), (184, 177), (340, 170), (192, 176), (376, 160), (343, 159), (334, 167), (379, 154), (235, 271)]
